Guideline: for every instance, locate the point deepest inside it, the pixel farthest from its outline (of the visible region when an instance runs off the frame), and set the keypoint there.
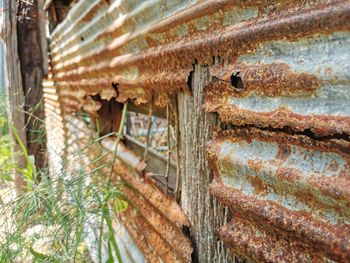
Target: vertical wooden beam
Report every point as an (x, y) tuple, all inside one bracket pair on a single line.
[(44, 27), (14, 88), (196, 129), (29, 20)]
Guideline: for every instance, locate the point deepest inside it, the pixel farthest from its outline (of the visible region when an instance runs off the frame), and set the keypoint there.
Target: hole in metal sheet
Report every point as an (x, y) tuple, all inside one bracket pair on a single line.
[(236, 81), (109, 115), (115, 86), (189, 80)]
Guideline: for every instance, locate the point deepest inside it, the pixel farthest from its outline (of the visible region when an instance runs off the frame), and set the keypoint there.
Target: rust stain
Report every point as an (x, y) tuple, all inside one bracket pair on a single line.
[(341, 147), (283, 151), (302, 213), (288, 174), (255, 165), (168, 207), (262, 245), (269, 80), (260, 187), (146, 238), (229, 42), (170, 233), (326, 240), (338, 188), (320, 125)]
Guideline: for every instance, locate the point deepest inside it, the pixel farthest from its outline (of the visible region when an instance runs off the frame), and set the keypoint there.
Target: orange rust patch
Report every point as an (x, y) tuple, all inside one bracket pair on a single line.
[(271, 80), (303, 227), (226, 162), (283, 152), (321, 125), (287, 174), (336, 187), (333, 166), (256, 165), (341, 147), (260, 187)]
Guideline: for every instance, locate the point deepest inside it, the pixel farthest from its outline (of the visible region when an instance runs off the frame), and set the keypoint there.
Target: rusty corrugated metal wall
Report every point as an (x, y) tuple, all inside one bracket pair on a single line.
[(273, 76)]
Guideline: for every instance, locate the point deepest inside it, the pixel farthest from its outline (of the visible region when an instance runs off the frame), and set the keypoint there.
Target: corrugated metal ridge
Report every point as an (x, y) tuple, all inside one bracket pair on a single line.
[(299, 24), (303, 23), (228, 42), (280, 91), (287, 190)]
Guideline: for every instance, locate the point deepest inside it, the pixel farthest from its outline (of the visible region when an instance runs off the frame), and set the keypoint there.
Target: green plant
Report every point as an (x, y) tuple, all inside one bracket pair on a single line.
[(5, 143), (65, 208)]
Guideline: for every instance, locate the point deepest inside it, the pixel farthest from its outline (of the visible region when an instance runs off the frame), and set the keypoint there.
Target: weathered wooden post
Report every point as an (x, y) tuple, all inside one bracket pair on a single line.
[(14, 88)]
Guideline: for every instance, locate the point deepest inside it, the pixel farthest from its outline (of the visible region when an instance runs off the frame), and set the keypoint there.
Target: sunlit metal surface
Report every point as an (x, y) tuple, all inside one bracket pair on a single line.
[(286, 184)]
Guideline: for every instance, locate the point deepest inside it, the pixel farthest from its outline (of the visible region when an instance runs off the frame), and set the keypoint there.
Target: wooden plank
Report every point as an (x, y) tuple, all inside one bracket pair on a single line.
[(205, 215), (31, 59), (14, 88)]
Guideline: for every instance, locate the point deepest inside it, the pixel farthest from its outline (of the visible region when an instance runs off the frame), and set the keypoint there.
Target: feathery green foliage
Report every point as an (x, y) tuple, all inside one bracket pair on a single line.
[(51, 221), (5, 142)]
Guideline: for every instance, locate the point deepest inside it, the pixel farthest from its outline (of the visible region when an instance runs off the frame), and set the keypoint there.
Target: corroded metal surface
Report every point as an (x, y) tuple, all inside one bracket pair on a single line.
[(149, 47), (301, 84), (287, 190)]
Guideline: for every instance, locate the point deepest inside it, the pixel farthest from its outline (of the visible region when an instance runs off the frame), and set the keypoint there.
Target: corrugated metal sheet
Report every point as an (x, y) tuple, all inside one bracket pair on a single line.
[(302, 84), (288, 191), (289, 194), (141, 44)]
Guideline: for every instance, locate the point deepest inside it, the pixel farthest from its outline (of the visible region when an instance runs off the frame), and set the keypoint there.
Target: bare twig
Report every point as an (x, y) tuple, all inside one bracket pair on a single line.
[(178, 168), (168, 150), (119, 136), (150, 114)]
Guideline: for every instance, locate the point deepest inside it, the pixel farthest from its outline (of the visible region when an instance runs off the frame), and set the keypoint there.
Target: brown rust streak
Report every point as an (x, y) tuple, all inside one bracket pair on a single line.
[(287, 181), (152, 238), (320, 125), (238, 39), (146, 188), (256, 165), (231, 42), (288, 174), (168, 207), (337, 187), (341, 147), (283, 152), (269, 80), (160, 235), (246, 238), (169, 232), (137, 235), (301, 226), (260, 186)]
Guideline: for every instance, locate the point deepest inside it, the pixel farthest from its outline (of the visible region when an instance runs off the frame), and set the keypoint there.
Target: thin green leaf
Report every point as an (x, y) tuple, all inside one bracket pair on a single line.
[(120, 205), (38, 255)]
